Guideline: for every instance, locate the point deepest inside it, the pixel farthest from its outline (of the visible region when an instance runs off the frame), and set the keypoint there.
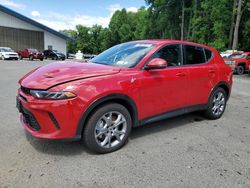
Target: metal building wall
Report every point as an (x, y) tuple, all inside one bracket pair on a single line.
[(18, 39)]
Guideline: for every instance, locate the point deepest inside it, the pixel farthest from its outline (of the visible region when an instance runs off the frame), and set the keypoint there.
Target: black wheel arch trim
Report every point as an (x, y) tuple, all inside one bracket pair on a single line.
[(111, 98), (222, 83)]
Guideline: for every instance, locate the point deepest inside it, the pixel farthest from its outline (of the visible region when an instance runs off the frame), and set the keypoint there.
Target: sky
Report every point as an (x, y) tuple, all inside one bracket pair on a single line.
[(66, 14)]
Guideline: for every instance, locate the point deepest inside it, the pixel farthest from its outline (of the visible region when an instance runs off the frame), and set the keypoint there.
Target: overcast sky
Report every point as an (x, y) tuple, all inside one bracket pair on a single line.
[(65, 14)]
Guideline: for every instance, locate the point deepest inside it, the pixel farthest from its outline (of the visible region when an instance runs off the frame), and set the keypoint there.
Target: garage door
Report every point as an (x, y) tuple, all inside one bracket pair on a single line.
[(19, 39)]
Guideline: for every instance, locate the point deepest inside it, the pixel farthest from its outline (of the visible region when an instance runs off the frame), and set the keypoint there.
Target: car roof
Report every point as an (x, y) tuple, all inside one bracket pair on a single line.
[(170, 41)]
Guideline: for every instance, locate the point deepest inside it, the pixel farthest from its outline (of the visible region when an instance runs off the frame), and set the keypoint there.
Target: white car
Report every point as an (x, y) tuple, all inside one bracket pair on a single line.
[(227, 53), (8, 53)]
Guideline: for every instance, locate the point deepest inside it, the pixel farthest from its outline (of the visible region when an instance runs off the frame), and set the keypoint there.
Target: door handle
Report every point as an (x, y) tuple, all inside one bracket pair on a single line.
[(180, 74)]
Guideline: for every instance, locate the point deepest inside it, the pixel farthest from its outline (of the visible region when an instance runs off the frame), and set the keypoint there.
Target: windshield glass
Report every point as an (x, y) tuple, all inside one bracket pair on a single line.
[(123, 55), (33, 50), (236, 56), (7, 50)]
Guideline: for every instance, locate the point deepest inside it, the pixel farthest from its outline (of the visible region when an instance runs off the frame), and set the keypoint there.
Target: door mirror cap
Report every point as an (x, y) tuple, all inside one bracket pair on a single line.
[(156, 63)]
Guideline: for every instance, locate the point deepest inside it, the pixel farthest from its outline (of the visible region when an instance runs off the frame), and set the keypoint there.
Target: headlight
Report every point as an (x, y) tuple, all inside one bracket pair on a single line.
[(52, 95)]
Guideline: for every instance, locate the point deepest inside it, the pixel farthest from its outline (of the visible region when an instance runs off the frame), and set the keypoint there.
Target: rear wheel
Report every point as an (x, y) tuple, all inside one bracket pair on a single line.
[(107, 129), (217, 104), (240, 70)]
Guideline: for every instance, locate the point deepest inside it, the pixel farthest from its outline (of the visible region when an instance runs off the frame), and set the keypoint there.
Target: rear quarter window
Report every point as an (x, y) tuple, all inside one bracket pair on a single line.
[(208, 54)]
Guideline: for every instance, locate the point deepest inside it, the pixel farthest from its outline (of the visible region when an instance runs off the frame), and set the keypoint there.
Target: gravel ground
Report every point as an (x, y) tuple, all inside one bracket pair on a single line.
[(187, 151)]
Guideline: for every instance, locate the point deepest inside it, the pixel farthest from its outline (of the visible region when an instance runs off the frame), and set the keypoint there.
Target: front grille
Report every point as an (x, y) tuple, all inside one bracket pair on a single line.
[(30, 119), (25, 90)]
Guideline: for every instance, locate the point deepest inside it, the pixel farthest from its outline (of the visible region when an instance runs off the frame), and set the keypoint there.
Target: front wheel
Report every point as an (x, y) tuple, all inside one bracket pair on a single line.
[(108, 128), (217, 104)]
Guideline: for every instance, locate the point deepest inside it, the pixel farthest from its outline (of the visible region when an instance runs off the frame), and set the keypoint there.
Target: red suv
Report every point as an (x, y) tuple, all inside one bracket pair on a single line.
[(239, 62), (31, 54), (128, 85)]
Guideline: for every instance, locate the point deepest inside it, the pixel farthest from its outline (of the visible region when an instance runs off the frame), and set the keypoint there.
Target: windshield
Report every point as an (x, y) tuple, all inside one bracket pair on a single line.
[(236, 56), (7, 50), (123, 55), (33, 50)]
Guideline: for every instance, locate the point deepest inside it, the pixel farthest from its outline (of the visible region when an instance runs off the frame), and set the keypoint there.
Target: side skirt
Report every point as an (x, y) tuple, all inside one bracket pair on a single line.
[(171, 114)]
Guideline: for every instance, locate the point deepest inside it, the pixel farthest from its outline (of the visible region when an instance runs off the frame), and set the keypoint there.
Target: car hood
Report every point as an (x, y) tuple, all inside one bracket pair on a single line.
[(233, 59), (9, 53), (57, 73), (60, 54)]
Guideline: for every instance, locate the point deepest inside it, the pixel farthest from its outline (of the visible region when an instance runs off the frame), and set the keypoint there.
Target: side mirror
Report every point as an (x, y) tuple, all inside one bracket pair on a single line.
[(156, 63)]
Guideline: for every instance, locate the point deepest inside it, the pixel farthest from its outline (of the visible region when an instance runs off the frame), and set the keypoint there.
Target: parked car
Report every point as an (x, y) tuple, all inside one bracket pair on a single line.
[(8, 53), (239, 62), (71, 56), (227, 53), (54, 55), (128, 85), (31, 54)]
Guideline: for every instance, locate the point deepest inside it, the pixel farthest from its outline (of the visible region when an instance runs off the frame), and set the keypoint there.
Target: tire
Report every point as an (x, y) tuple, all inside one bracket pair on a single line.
[(240, 70), (56, 58), (31, 58), (3, 57), (41, 59), (20, 57), (216, 104), (110, 136)]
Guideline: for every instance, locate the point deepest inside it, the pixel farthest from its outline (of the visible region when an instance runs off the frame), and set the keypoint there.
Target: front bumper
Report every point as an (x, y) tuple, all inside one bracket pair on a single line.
[(50, 119), (11, 57), (39, 56), (232, 67)]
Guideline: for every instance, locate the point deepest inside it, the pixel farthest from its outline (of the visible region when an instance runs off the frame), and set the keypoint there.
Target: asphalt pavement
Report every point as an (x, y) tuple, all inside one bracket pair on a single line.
[(187, 151)]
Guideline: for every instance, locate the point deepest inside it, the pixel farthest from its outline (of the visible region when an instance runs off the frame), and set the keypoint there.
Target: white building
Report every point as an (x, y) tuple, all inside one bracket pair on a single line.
[(20, 32)]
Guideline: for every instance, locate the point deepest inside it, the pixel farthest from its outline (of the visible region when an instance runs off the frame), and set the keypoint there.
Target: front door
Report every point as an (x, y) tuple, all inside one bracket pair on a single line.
[(164, 90)]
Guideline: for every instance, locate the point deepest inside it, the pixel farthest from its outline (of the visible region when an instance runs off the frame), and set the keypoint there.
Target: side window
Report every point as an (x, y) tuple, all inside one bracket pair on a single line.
[(194, 55), (248, 57), (208, 54), (171, 53)]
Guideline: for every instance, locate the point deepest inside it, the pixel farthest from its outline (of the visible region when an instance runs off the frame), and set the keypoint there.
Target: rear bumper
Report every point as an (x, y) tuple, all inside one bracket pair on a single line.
[(50, 119)]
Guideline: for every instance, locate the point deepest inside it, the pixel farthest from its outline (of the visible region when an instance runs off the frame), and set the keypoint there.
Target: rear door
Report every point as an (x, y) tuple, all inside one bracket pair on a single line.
[(202, 74)]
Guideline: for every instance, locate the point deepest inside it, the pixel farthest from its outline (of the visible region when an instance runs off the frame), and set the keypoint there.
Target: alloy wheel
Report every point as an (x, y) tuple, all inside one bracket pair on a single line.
[(219, 102), (110, 129)]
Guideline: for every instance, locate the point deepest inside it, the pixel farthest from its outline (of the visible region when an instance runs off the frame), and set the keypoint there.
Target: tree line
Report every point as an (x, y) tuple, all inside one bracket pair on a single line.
[(222, 24)]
